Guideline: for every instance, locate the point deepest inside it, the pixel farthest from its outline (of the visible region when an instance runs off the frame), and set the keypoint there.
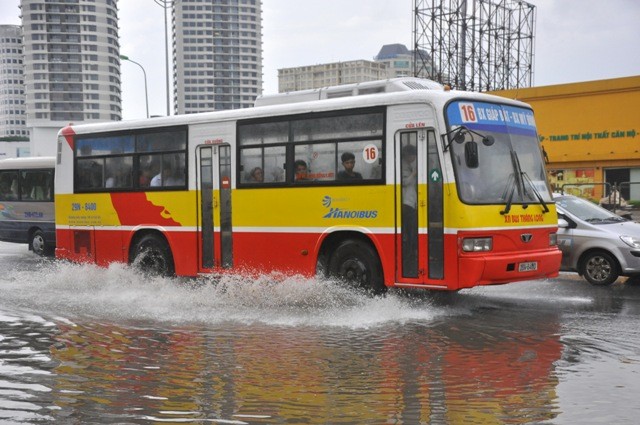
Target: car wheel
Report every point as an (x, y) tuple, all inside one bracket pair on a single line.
[(356, 263), (599, 268)]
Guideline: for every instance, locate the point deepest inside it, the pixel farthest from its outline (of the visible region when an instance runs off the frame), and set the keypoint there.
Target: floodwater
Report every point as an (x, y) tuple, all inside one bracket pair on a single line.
[(87, 345)]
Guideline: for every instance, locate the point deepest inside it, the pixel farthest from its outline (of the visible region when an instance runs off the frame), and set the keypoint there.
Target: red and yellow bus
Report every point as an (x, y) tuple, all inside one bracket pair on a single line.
[(396, 183)]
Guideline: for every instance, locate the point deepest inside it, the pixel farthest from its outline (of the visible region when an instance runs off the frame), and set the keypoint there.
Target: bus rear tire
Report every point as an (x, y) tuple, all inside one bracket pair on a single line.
[(356, 263), (38, 244), (153, 256)]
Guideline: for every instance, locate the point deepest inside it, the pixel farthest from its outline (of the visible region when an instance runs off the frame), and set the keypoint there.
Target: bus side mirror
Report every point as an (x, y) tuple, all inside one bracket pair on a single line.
[(471, 154), (488, 140)]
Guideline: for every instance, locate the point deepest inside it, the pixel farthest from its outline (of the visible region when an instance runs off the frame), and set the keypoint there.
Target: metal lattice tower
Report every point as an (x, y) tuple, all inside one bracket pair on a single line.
[(476, 45)]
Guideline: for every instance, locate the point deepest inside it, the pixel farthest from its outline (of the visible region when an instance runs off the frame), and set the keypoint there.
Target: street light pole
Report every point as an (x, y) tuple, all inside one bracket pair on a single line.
[(146, 93), (166, 4)]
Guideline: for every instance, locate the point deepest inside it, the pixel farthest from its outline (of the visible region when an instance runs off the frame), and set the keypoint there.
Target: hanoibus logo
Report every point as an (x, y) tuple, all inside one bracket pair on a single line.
[(343, 213)]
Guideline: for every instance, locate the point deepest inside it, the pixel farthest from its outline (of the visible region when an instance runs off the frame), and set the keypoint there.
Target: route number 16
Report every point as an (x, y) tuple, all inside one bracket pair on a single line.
[(370, 154), (468, 113)]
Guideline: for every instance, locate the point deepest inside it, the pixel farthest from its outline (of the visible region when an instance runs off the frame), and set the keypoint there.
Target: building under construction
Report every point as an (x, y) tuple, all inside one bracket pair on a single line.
[(476, 45)]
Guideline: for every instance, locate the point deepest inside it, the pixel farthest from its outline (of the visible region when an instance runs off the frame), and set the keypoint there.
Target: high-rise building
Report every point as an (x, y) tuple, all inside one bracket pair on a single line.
[(329, 74), (400, 61), (72, 63), (12, 98), (217, 54), (393, 60)]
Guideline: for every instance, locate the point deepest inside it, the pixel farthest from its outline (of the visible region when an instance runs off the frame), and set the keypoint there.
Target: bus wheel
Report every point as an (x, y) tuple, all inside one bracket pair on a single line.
[(38, 243), (357, 263), (152, 255)]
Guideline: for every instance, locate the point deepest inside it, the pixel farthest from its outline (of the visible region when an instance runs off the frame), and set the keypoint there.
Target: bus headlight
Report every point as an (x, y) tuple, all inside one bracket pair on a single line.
[(477, 244), (553, 239)]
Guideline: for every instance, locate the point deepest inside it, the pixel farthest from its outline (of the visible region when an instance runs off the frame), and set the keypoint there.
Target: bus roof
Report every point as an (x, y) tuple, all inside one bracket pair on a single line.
[(28, 162), (415, 91), (349, 90)]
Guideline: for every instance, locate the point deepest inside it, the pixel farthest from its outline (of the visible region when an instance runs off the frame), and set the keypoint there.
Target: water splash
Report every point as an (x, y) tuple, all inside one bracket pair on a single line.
[(123, 293)]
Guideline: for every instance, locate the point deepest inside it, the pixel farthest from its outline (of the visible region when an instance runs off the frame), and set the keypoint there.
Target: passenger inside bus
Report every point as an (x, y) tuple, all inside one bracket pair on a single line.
[(301, 170), (14, 188), (167, 177), (348, 162), (145, 177), (256, 175), (38, 192)]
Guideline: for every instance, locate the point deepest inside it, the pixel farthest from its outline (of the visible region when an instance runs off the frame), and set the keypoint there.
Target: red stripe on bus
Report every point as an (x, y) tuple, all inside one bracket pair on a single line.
[(134, 209), (68, 134)]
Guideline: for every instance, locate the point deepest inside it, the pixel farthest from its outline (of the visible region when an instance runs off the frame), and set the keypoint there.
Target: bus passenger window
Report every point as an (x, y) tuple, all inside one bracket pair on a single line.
[(89, 174), (118, 170), (34, 185), (171, 173), (5, 191), (148, 167), (320, 160), (368, 159)]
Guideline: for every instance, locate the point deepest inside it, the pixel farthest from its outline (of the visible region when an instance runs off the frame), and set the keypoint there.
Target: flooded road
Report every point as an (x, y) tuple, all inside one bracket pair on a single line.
[(87, 345)]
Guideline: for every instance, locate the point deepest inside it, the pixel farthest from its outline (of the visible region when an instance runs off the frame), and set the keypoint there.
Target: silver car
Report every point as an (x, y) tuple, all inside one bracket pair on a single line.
[(595, 242)]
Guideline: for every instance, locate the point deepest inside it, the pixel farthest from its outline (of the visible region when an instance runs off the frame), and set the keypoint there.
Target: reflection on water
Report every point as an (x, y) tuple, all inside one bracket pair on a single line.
[(80, 344)]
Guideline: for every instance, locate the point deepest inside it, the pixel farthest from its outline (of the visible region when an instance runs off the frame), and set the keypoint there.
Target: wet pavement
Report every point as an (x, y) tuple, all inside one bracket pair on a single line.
[(82, 344)]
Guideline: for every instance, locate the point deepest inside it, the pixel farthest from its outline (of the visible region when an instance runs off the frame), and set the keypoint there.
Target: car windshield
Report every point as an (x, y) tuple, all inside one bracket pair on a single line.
[(586, 210), (511, 169)]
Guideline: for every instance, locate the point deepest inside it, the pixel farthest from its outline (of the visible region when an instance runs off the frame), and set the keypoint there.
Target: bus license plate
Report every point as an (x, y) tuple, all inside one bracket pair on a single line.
[(528, 266)]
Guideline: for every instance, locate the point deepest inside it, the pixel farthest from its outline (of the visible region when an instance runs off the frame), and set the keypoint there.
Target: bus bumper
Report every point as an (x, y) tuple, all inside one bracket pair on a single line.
[(496, 269)]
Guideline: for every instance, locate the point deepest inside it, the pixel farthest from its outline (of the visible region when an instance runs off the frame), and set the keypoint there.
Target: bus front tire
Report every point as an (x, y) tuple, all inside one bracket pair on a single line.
[(153, 256), (356, 263), (38, 243)]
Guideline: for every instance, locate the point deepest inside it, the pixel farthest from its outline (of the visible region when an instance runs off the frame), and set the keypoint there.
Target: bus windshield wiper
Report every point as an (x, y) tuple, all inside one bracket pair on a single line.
[(508, 193), (515, 183), (526, 178), (520, 178)]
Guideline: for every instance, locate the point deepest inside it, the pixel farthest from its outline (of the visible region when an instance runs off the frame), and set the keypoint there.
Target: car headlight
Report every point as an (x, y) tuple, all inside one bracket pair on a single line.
[(632, 241)]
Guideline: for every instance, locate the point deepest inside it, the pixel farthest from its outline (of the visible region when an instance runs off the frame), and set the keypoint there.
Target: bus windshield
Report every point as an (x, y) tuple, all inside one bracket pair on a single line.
[(509, 166)]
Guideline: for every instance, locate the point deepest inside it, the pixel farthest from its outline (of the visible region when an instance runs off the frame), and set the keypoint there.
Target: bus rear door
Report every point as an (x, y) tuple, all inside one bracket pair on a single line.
[(214, 184)]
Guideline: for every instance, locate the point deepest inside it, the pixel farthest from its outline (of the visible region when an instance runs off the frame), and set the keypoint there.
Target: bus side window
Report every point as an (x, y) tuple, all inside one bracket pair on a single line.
[(89, 173), (5, 187), (9, 186), (14, 188)]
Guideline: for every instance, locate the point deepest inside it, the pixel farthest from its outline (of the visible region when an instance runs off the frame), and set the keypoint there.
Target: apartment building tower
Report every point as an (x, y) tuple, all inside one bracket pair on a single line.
[(12, 97), (72, 63), (329, 74), (392, 61), (400, 61), (217, 54)]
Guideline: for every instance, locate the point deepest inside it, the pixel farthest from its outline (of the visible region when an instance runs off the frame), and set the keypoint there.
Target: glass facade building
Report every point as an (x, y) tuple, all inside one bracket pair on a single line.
[(217, 54), (72, 61), (12, 97)]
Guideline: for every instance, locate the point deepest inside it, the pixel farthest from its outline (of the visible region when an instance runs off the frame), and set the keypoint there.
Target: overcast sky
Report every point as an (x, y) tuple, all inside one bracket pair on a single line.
[(575, 40)]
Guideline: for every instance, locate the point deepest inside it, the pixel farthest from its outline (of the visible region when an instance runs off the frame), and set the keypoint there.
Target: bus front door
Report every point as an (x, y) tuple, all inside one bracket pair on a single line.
[(420, 209), (214, 183)]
